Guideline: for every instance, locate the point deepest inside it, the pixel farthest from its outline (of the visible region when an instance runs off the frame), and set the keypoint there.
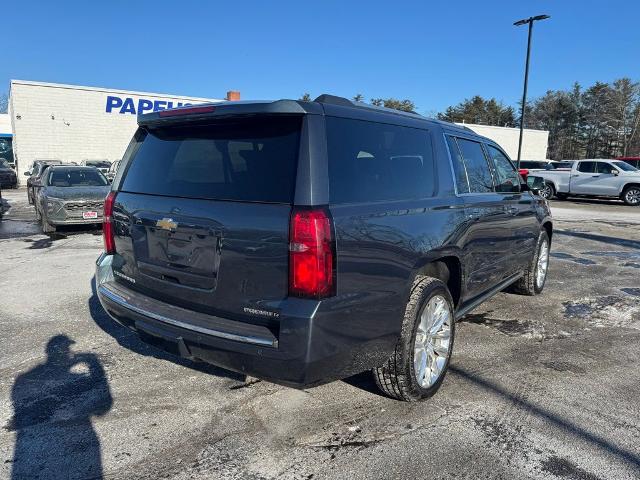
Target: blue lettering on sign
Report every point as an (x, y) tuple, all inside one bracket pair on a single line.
[(128, 106), (124, 105), (159, 105), (144, 105), (113, 102)]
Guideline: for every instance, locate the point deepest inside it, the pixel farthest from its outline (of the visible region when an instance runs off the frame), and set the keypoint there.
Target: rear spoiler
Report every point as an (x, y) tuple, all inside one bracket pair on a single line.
[(203, 111)]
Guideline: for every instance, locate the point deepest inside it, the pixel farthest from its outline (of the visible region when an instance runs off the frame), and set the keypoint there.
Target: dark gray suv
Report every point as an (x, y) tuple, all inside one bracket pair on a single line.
[(303, 242)]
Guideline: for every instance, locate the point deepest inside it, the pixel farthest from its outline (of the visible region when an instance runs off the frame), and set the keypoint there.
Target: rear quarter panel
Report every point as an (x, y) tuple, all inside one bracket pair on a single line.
[(381, 247)]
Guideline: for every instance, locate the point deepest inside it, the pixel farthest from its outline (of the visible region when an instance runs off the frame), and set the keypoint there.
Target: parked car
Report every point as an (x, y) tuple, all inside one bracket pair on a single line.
[(303, 242), (71, 195), (8, 178), (527, 166), (537, 164), (102, 165), (6, 150), (594, 178), (34, 173), (113, 169)]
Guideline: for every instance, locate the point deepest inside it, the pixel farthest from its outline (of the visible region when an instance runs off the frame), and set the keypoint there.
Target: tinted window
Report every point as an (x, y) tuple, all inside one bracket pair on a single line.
[(563, 165), (477, 167), (375, 161), (458, 166), (526, 164), (624, 166), (249, 159), (587, 167), (507, 179), (603, 167), (76, 177)]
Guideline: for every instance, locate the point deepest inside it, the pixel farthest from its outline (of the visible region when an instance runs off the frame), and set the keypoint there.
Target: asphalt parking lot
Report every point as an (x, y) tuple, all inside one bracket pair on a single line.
[(544, 387)]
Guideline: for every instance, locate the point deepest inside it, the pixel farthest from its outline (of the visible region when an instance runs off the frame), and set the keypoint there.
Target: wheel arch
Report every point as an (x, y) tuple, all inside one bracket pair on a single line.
[(548, 226), (627, 185), (447, 269)]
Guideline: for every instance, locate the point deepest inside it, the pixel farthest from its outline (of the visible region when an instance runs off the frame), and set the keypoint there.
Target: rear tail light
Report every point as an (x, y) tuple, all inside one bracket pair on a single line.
[(311, 254), (107, 224)]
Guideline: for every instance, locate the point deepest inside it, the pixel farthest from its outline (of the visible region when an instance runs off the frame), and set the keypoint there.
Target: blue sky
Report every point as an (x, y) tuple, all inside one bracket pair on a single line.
[(435, 53)]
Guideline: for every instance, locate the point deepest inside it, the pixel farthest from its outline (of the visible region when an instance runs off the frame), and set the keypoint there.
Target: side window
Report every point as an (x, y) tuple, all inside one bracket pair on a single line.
[(507, 179), (604, 167), (462, 183), (478, 172), (371, 161), (587, 167)]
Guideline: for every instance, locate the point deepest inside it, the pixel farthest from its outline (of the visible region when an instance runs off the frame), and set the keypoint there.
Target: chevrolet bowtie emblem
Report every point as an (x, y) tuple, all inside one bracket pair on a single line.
[(167, 224)]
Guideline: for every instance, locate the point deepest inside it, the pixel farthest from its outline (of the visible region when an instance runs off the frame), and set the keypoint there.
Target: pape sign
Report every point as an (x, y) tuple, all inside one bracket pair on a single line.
[(129, 105)]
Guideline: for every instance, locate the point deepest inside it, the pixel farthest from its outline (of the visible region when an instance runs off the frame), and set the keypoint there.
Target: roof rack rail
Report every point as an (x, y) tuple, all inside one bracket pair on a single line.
[(345, 102)]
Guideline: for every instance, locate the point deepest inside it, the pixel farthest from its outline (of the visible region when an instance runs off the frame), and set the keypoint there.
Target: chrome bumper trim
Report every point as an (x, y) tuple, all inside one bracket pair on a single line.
[(177, 323)]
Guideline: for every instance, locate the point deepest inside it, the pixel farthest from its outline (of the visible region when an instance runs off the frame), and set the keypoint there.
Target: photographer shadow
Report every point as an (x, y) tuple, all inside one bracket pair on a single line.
[(54, 404)]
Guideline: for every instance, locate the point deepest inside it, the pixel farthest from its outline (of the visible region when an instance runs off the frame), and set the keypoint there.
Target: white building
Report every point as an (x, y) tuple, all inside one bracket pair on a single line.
[(73, 123), (534, 142), (5, 124)]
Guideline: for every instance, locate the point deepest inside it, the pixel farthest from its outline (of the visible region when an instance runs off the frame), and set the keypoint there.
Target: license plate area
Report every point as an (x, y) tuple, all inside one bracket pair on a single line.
[(89, 215)]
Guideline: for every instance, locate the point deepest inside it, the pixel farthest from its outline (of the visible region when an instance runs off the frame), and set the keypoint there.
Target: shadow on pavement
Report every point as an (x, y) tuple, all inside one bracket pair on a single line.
[(622, 242), (53, 405), (130, 340), (631, 457)]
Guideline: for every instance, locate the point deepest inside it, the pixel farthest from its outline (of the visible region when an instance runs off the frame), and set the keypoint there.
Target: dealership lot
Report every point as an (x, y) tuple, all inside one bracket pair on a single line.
[(543, 387)]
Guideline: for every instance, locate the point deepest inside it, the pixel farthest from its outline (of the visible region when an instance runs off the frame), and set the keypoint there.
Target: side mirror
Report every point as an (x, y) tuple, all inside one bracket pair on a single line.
[(615, 172), (535, 184)]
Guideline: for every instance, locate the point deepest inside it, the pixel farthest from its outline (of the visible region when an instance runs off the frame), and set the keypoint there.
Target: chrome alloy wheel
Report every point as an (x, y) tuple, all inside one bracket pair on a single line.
[(547, 192), (433, 341), (543, 264), (633, 196)]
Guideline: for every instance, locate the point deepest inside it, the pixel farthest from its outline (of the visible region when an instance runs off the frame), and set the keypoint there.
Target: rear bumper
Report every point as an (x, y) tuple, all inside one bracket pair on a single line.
[(309, 349)]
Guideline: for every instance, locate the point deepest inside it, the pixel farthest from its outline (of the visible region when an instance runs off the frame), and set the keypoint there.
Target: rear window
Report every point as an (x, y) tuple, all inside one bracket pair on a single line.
[(371, 162), (249, 160)]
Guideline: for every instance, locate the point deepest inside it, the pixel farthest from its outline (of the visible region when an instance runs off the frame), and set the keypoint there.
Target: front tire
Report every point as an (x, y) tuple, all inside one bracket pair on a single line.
[(417, 367), (535, 276), (548, 191), (46, 226), (631, 195)]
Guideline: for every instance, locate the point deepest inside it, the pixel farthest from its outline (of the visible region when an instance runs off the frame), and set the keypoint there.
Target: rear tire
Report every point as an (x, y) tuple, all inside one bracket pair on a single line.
[(535, 276), (631, 195), (425, 345)]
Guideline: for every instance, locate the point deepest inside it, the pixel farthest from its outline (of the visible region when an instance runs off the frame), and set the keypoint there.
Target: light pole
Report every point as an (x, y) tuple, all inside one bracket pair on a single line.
[(524, 21)]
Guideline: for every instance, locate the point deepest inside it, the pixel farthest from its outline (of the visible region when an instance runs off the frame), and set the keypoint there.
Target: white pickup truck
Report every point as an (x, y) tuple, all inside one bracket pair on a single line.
[(593, 178)]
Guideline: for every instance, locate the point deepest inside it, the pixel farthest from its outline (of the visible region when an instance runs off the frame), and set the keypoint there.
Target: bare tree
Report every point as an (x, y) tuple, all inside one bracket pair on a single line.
[(623, 114)]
